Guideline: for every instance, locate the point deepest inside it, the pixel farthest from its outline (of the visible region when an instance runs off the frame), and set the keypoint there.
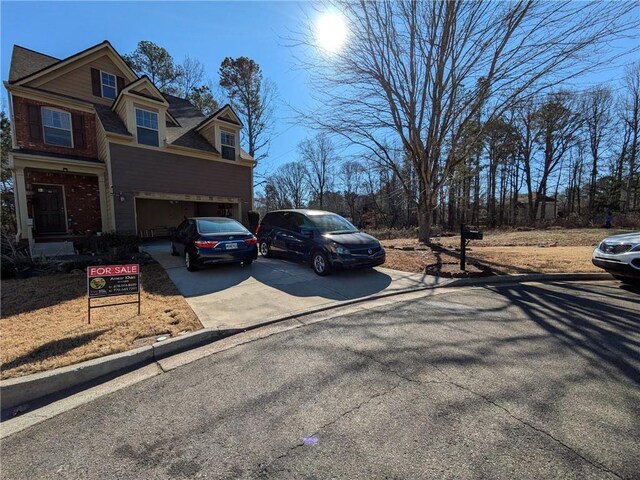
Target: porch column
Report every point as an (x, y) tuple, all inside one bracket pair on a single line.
[(104, 212), (20, 191)]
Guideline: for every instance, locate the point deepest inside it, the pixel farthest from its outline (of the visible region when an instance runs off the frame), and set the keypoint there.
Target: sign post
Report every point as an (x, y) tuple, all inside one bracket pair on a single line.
[(110, 281)]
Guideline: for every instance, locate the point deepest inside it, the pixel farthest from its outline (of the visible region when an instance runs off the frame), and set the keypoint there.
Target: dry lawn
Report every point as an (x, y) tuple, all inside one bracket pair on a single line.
[(505, 252), (44, 320)]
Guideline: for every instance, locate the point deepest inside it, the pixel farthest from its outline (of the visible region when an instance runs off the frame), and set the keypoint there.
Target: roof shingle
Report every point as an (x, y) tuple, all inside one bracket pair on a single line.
[(25, 62)]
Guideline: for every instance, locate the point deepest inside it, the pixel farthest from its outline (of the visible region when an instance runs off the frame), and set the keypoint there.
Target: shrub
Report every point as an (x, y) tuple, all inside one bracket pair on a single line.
[(15, 258), (123, 242)]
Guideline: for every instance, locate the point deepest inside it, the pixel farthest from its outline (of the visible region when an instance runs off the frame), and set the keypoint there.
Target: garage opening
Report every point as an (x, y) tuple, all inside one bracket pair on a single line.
[(154, 218)]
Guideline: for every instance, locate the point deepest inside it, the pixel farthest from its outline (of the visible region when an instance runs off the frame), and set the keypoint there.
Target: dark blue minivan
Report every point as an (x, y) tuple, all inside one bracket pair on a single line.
[(324, 239), (211, 240)]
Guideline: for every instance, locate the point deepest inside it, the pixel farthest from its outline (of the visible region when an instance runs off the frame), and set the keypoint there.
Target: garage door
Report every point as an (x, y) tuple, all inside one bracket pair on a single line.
[(155, 217)]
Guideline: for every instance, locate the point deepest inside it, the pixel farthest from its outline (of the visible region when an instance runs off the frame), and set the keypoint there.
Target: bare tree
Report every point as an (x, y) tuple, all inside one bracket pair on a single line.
[(191, 75), (595, 109), (631, 118), (557, 124), (318, 155), (291, 179), (352, 179), (417, 73)]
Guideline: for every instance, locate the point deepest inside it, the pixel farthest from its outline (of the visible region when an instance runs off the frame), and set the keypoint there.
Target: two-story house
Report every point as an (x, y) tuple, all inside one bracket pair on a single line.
[(98, 149)]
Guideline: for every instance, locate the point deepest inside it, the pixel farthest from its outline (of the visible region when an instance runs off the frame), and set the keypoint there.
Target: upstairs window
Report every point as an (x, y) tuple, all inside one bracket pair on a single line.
[(108, 83), (147, 126), (228, 141), (56, 125)]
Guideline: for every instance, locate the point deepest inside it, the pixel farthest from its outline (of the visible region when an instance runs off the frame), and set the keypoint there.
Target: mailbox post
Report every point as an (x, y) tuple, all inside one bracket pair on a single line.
[(465, 235)]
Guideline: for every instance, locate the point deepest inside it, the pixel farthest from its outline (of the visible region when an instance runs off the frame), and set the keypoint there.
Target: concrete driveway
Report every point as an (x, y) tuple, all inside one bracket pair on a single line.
[(233, 296)]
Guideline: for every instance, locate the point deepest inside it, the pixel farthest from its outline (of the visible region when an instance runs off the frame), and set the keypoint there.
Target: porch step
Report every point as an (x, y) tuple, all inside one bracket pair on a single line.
[(52, 249)]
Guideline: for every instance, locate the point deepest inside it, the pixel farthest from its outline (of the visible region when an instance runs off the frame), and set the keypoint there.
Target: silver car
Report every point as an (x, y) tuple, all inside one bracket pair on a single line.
[(620, 256)]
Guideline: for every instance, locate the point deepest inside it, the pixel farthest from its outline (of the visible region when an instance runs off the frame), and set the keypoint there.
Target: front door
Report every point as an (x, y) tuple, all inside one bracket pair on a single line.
[(48, 209)]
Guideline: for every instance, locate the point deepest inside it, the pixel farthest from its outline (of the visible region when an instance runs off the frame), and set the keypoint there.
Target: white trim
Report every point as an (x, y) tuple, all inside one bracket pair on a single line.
[(217, 118), (14, 139), (53, 109), (53, 163), (83, 59), (41, 96), (115, 86), (222, 145), (135, 215), (157, 129), (184, 197)]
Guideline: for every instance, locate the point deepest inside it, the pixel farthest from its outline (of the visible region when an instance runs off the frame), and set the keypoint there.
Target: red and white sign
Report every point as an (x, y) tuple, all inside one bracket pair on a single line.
[(110, 270), (112, 280)]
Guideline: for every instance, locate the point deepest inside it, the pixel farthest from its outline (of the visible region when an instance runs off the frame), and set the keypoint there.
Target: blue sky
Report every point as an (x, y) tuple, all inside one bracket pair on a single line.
[(208, 31)]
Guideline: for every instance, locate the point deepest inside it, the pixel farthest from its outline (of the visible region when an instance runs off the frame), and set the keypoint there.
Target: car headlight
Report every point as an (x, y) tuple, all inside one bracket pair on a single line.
[(339, 249), (636, 248)]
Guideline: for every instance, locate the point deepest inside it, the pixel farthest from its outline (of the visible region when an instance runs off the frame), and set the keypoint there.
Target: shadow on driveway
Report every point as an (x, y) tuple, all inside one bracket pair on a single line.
[(292, 278), (235, 296)]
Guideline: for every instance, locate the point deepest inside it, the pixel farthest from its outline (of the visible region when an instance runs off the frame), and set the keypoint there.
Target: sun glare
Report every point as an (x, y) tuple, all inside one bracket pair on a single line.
[(331, 31)]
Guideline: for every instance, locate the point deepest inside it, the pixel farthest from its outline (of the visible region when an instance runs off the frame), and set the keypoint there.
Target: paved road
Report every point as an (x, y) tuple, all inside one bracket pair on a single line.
[(527, 381), (272, 288)]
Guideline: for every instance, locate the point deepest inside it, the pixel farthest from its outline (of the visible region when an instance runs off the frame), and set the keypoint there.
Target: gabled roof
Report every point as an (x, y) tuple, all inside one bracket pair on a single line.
[(135, 87), (57, 64), (188, 117), (24, 62), (110, 120), (225, 114)]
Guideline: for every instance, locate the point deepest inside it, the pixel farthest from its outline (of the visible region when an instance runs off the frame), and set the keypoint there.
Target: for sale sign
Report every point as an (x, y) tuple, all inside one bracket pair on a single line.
[(112, 280)]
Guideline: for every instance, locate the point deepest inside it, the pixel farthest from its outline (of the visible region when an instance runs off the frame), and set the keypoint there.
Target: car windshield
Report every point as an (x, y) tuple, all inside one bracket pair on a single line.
[(332, 223), (219, 225)]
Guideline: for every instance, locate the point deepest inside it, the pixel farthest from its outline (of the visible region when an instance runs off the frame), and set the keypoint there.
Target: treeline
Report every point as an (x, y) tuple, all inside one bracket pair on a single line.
[(566, 157)]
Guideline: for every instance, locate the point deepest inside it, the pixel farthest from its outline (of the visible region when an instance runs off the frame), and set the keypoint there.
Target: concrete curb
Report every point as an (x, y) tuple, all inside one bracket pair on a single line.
[(18, 391), (30, 388)]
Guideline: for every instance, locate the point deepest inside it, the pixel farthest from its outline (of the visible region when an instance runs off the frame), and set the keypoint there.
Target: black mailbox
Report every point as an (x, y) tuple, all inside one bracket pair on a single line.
[(472, 234), (467, 234)]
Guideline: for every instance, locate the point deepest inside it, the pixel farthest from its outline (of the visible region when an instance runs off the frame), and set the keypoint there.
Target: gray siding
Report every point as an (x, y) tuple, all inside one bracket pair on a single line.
[(144, 170)]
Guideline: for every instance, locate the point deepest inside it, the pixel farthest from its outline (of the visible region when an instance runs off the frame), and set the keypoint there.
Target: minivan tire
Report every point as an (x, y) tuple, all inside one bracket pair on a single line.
[(320, 264), (265, 251)]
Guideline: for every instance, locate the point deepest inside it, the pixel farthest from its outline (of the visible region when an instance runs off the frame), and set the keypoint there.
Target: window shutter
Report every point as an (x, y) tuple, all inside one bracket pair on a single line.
[(77, 121), (120, 83), (35, 123), (95, 82)]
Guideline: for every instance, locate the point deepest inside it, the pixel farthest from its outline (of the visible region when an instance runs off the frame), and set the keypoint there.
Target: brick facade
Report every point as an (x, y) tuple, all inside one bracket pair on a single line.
[(82, 198), (21, 125)]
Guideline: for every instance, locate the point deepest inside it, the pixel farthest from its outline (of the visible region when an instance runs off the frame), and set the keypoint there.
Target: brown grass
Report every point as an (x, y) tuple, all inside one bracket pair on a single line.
[(44, 320), (543, 251)]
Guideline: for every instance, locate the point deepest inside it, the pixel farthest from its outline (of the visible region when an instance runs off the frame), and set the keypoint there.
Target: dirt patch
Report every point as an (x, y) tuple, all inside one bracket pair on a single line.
[(535, 259), (44, 320), (501, 252), (442, 264)]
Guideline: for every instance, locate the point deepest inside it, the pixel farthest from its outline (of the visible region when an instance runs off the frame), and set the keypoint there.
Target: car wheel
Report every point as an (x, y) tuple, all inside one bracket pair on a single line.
[(188, 262), (247, 262), (265, 251), (320, 264), (174, 252)]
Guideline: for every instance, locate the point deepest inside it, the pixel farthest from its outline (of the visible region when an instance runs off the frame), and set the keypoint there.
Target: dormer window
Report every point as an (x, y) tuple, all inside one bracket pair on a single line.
[(108, 82), (147, 127), (228, 142)]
